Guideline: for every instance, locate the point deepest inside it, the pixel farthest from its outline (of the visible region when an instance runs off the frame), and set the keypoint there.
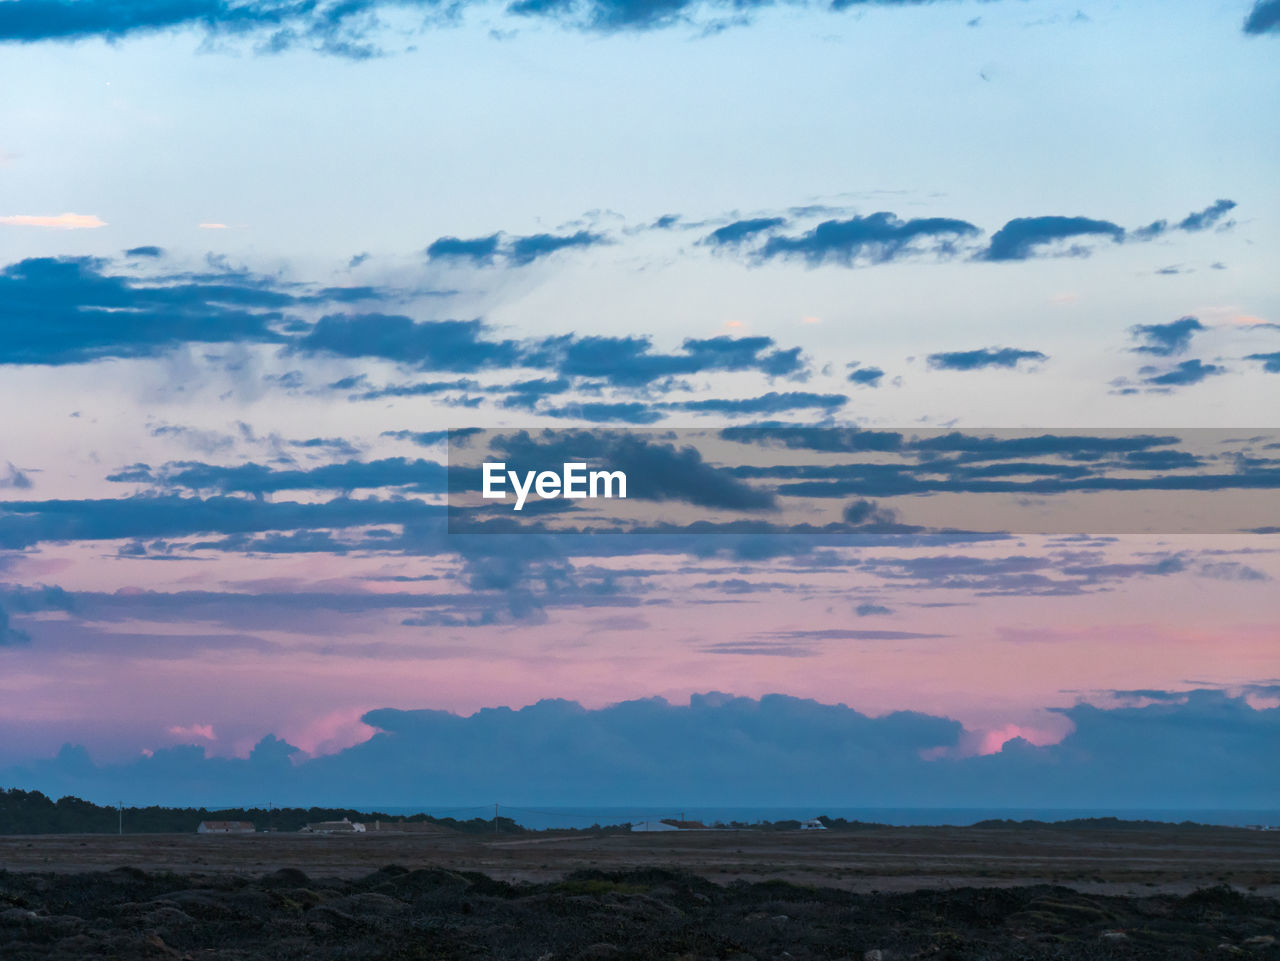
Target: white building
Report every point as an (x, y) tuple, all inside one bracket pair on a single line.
[(669, 824), (652, 826), (225, 827), (345, 826)]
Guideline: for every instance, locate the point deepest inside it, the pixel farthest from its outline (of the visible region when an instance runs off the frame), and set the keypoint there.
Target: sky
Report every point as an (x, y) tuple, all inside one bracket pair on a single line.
[(255, 258)]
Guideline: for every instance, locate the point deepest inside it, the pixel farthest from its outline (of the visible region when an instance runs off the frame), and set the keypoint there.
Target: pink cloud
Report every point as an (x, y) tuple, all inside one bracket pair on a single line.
[(200, 732), (330, 733), (993, 741), (58, 222)]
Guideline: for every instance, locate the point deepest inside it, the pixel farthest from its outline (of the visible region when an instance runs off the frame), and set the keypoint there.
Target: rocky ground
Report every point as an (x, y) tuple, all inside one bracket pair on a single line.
[(592, 915)]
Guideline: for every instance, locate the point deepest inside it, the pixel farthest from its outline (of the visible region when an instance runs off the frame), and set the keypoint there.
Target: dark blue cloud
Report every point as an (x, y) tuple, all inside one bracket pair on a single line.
[(525, 250), (1191, 223), (862, 513), (427, 437), (604, 412), (867, 609), (335, 445), (25, 523), (1162, 460), (879, 237), (631, 360), (1263, 18), (478, 250), (608, 16), (258, 479), (1270, 362), (425, 389), (1075, 447), (770, 403), (1204, 219), (1016, 575), (740, 230), (69, 310), (831, 439), (338, 27), (986, 357), (147, 251), (28, 21), (1023, 237), (866, 376), (345, 27), (458, 345), (527, 393), (516, 251), (1165, 340), (1186, 373)]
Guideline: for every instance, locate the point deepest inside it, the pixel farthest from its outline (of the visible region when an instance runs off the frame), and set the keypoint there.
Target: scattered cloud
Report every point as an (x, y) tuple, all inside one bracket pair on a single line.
[(1192, 223), (1165, 340), (741, 230), (1210, 216), (876, 238), (1184, 374), (1270, 362), (14, 479), (982, 358), (456, 345), (1264, 18), (351, 30), (70, 310), (515, 251), (865, 376), (258, 479), (1026, 237), (770, 403)]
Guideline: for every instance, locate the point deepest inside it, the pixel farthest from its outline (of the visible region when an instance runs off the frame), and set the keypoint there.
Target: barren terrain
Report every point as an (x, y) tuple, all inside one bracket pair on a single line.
[(1129, 861), (883, 894)]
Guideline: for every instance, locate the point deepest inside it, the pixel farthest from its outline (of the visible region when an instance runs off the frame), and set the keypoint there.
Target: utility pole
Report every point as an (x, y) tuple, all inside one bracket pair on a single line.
[(495, 817), (120, 818)]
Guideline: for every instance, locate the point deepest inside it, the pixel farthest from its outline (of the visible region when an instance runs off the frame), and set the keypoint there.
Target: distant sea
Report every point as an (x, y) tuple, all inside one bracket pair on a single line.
[(540, 817)]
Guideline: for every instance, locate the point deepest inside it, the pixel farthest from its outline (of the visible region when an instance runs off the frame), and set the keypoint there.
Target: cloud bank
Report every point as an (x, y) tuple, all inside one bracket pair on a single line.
[(1168, 749)]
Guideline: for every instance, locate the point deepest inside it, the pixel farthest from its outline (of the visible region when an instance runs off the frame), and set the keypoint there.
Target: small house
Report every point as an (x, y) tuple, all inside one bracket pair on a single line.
[(345, 826), (668, 824), (225, 827)]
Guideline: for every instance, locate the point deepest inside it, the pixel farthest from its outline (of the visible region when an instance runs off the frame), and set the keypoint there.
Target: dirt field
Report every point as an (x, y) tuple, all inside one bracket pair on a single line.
[(899, 894), (1127, 862)]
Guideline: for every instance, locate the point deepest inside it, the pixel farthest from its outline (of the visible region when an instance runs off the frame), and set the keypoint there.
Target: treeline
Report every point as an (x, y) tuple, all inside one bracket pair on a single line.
[(1100, 823), (31, 812)]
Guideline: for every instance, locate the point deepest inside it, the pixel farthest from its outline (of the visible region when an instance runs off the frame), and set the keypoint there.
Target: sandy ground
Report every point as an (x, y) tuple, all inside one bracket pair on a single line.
[(1133, 862)]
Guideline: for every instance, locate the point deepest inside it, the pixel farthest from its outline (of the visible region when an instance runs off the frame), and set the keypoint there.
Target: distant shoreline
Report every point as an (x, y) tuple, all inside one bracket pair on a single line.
[(32, 812)]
